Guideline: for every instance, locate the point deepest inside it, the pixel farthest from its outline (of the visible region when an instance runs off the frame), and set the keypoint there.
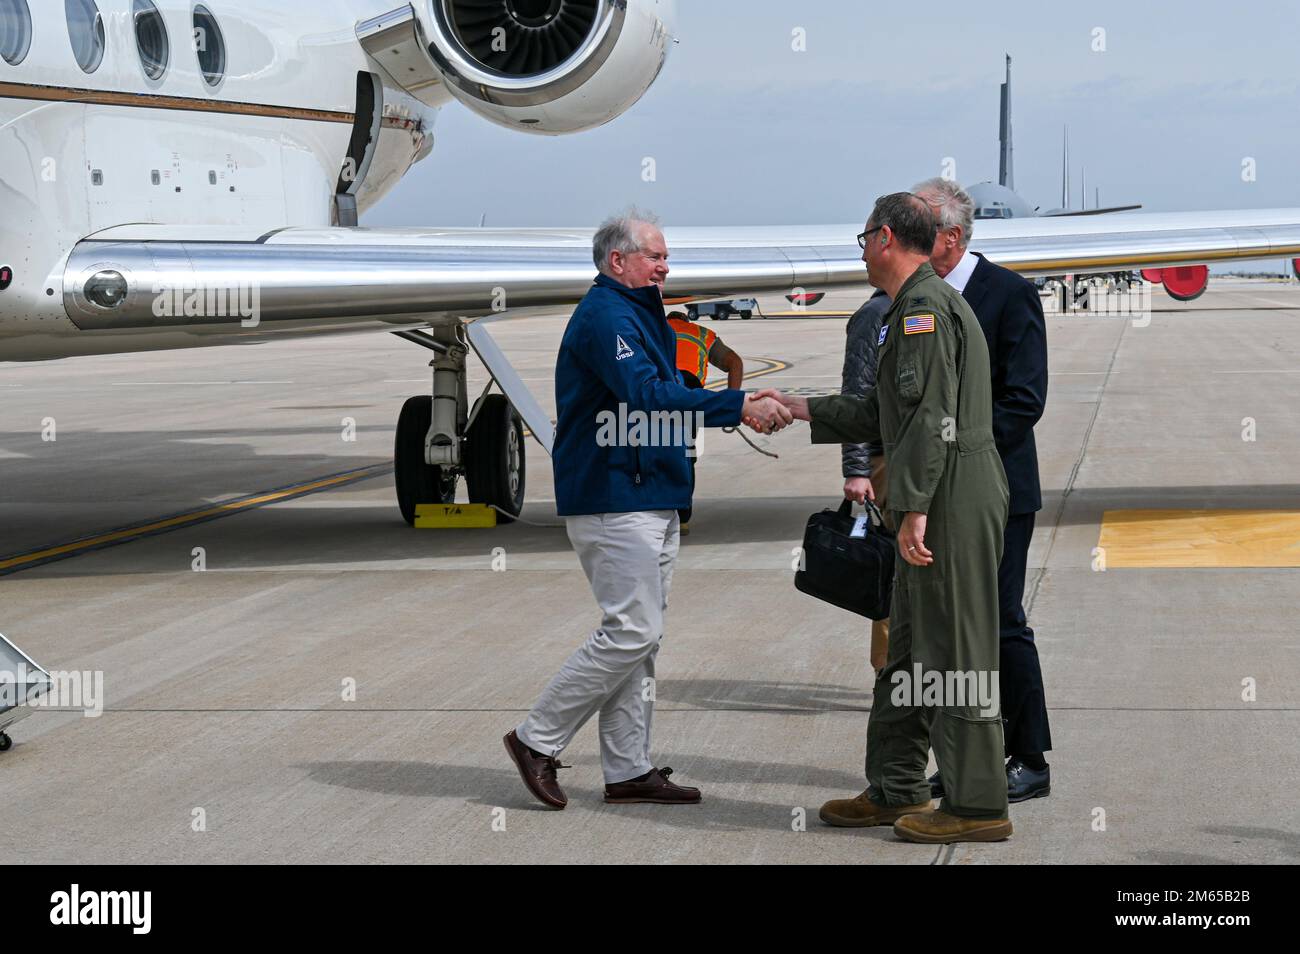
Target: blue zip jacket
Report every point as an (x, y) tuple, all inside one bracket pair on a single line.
[(619, 357)]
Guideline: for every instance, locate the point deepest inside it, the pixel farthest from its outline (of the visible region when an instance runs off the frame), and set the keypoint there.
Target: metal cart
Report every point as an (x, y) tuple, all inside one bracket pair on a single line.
[(21, 682)]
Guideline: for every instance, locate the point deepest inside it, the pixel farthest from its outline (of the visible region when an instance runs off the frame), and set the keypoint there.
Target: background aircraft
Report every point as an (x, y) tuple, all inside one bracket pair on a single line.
[(996, 201)]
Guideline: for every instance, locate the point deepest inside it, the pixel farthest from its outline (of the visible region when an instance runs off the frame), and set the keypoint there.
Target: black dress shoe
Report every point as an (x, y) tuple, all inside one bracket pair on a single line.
[(537, 771), (936, 786), (653, 787), (1024, 783)]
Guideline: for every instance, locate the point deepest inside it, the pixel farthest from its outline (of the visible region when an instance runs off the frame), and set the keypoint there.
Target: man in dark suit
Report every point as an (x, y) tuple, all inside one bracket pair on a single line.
[(1011, 316)]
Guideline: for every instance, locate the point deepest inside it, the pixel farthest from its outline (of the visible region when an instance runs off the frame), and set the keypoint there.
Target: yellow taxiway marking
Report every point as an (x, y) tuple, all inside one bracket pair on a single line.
[(1177, 539), (773, 366), (26, 560), (22, 561), (807, 313)]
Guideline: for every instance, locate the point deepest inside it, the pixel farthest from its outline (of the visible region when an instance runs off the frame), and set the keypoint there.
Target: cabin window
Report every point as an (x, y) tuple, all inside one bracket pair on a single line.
[(151, 39), (86, 31), (210, 46), (15, 30)]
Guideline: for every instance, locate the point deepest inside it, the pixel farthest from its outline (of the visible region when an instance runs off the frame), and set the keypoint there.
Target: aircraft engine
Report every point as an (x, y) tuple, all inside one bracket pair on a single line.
[(548, 66), (1183, 282), (1186, 282)]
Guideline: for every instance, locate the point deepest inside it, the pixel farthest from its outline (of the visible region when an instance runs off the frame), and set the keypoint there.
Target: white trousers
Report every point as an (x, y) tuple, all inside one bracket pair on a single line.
[(628, 558)]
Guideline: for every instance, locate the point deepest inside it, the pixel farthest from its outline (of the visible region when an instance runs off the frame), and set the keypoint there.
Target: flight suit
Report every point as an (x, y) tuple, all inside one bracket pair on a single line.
[(932, 412)]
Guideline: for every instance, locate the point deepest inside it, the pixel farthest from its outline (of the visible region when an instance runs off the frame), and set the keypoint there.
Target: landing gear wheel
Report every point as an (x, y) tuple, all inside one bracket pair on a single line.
[(418, 482), (494, 457), (6, 743), (1082, 298)]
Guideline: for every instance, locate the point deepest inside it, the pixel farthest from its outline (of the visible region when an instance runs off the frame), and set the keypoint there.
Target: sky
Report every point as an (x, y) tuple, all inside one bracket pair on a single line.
[(1164, 103)]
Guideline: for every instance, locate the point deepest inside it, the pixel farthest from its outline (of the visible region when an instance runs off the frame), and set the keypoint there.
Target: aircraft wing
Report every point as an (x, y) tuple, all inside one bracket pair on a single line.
[(406, 276)]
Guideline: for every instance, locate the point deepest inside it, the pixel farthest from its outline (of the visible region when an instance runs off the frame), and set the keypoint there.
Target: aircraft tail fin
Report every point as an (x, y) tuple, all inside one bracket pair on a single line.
[(1065, 168), (1006, 174)]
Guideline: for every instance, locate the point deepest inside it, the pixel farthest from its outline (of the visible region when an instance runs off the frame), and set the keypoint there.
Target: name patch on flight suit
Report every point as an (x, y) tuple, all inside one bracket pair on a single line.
[(918, 324)]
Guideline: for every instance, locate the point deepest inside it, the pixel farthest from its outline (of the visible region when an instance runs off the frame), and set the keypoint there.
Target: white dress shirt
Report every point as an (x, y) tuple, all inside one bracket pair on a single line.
[(962, 271)]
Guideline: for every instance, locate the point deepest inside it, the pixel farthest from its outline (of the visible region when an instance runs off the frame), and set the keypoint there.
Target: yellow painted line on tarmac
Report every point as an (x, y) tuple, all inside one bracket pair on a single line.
[(31, 558), (807, 313), (773, 366), (110, 538), (1182, 539)]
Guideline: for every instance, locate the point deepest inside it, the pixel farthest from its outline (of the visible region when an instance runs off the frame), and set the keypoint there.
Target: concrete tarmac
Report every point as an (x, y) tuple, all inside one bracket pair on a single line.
[(228, 702)]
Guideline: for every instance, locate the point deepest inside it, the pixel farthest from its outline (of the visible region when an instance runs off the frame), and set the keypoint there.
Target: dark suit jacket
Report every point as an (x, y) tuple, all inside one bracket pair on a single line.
[(1011, 314)]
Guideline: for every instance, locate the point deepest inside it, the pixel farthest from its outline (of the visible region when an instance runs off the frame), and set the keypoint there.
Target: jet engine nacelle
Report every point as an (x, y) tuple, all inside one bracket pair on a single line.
[(1182, 282), (547, 66)]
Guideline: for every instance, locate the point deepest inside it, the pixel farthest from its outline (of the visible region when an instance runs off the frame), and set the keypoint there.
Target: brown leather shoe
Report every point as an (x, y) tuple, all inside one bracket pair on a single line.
[(940, 828), (862, 812), (537, 771), (654, 788)]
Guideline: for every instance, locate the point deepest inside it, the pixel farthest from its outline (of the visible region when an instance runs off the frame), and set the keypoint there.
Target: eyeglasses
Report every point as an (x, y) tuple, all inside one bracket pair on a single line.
[(862, 236)]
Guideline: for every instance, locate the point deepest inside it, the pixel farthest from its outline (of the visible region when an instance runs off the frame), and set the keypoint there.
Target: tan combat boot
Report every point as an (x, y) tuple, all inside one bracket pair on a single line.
[(940, 828), (862, 812)]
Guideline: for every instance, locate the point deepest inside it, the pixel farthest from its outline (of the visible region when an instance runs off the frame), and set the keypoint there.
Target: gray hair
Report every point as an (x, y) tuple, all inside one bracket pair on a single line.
[(618, 233), (954, 204)]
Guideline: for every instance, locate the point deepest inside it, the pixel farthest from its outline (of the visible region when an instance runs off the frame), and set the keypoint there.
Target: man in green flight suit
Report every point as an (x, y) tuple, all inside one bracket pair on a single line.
[(932, 411)]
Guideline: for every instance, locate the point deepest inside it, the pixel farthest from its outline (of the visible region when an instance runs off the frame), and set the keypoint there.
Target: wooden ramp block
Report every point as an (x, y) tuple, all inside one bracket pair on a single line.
[(454, 516), (1177, 539)]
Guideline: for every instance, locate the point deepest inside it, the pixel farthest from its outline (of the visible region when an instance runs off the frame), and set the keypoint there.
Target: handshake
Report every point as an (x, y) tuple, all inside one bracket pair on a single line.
[(769, 410)]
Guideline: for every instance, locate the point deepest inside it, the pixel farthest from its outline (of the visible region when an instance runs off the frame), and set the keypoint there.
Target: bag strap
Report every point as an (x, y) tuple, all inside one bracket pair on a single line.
[(878, 518)]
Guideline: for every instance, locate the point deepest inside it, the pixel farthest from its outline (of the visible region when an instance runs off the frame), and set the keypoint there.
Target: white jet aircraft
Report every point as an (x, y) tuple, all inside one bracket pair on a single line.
[(179, 173)]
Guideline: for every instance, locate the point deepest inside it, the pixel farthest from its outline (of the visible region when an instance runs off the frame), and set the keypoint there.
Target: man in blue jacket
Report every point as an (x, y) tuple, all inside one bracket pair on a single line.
[(623, 433)]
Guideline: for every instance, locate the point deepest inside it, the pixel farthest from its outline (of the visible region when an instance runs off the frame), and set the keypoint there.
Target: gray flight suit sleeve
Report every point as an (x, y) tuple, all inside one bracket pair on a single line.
[(862, 339)]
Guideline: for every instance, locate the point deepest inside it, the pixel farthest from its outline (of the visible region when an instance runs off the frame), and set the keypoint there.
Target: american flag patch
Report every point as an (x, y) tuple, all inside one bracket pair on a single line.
[(918, 324)]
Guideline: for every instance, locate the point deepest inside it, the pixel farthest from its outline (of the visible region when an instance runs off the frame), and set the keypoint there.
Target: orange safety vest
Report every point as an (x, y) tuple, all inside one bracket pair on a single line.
[(693, 344)]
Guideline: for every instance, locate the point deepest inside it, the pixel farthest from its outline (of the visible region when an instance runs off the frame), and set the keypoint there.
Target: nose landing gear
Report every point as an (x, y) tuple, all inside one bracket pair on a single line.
[(438, 439)]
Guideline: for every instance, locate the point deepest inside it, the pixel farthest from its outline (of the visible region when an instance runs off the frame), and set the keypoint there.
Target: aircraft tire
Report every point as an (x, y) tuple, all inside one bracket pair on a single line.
[(495, 462), (417, 482)]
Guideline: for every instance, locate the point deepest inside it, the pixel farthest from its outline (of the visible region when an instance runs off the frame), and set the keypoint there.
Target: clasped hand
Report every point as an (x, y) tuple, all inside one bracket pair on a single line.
[(765, 414)]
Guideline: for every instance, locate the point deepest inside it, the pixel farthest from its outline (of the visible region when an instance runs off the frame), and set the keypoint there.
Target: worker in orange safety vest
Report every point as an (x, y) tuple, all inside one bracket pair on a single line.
[(697, 349)]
